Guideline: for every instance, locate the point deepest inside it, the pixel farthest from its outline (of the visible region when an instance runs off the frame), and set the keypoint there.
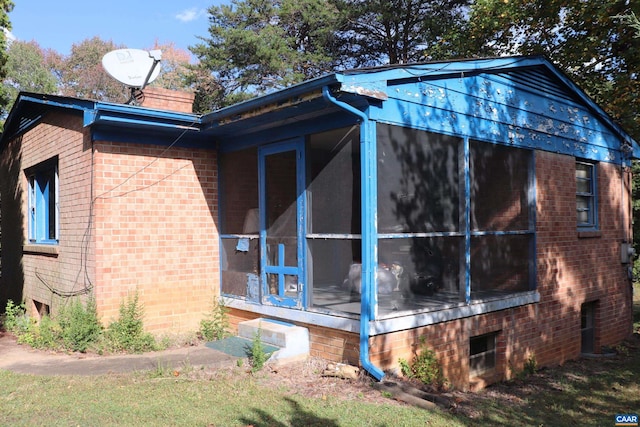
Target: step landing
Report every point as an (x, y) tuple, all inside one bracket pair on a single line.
[(292, 340)]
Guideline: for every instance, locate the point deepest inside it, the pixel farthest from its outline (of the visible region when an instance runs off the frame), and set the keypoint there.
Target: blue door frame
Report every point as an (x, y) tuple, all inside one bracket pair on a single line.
[(283, 281)]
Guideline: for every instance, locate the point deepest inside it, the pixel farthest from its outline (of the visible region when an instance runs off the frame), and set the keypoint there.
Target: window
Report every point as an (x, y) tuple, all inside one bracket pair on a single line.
[(482, 353), (586, 202), (43, 203), (587, 327)]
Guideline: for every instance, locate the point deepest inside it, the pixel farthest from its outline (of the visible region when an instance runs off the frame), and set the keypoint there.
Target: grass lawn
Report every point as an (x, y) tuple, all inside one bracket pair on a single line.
[(584, 392), (232, 398)]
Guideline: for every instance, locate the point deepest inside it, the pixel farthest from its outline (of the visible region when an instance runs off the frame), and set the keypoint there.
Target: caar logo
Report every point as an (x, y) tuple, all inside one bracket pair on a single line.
[(626, 419)]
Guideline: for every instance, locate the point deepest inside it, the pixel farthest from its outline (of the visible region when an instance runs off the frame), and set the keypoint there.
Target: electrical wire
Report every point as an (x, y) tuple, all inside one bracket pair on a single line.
[(88, 286)]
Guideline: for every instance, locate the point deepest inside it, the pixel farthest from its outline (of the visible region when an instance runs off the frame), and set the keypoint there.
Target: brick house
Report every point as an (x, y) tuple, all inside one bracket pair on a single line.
[(481, 207)]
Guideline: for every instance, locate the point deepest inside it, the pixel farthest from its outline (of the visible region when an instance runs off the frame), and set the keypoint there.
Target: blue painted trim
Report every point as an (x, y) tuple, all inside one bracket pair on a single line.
[(369, 228), (296, 145), (413, 235), (231, 142), (467, 218), (501, 233), (451, 121), (150, 136), (221, 117)]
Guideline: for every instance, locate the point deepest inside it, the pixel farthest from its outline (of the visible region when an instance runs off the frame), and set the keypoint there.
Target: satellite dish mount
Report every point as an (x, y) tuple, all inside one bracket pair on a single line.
[(134, 68)]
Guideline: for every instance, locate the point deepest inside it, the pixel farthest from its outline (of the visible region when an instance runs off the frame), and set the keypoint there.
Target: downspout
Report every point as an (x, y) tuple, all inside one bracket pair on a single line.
[(369, 297)]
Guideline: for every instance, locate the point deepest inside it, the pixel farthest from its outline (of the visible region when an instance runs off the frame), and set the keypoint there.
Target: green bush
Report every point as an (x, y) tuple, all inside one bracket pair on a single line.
[(214, 325), (80, 325), (424, 367), (43, 334), (16, 319), (27, 330), (127, 333)]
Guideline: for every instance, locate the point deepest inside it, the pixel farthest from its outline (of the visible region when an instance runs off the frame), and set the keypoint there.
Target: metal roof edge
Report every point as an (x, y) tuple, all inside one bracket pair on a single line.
[(94, 112), (271, 98)]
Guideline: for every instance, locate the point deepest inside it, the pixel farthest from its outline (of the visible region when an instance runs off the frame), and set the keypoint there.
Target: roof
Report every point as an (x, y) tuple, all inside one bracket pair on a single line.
[(304, 102)]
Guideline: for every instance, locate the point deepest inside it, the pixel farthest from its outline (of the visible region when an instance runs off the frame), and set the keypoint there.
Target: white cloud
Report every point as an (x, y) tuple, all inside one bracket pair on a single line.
[(191, 14)]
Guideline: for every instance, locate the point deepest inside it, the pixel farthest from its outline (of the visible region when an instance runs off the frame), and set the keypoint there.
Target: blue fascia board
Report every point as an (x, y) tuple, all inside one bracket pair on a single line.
[(105, 111), (95, 112), (503, 124), (380, 83)]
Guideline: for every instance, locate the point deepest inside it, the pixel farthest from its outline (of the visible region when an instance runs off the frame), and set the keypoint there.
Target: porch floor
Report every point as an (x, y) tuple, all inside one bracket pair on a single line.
[(333, 298)]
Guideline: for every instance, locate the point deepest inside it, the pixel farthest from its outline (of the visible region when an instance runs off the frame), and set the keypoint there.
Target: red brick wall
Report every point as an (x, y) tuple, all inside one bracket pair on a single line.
[(167, 99), (572, 268), (69, 266), (156, 232)]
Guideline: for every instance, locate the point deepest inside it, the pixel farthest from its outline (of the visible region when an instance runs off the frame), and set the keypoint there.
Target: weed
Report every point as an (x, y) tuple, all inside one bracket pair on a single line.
[(16, 320), (257, 356), (424, 367), (161, 370), (530, 366), (622, 350), (80, 325), (214, 325), (127, 333)]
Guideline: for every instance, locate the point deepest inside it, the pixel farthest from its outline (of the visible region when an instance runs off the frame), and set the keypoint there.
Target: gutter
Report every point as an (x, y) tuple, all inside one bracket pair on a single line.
[(369, 297)]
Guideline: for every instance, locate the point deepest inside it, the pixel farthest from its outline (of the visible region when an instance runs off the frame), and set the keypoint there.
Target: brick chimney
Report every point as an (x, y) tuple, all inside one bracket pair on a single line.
[(167, 99)]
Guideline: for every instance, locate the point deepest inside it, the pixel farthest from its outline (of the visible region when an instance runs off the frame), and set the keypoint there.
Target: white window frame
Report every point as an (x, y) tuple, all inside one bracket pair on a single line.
[(587, 195)]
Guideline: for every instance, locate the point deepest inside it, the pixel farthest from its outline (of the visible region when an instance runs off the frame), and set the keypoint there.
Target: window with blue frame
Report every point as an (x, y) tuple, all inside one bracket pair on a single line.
[(43, 203), (586, 200)]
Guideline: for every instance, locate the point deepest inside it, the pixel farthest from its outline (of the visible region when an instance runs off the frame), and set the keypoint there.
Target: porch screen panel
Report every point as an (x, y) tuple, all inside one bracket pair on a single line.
[(499, 187), (499, 263), (420, 212), (239, 223), (333, 217), (417, 273), (333, 190), (418, 184), (502, 229)]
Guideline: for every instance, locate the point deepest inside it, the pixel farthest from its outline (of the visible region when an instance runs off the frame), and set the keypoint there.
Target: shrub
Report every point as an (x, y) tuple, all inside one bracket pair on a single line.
[(424, 367), (214, 325), (127, 333), (80, 325)]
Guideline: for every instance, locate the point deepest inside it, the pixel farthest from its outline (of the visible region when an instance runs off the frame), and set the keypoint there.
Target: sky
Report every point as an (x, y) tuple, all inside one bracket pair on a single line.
[(133, 24)]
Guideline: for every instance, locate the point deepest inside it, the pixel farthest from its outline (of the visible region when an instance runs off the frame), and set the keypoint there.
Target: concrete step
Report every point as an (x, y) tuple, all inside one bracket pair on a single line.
[(292, 340)]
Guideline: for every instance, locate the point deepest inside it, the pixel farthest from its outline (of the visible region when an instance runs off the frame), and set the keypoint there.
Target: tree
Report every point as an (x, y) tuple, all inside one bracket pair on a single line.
[(174, 67), (256, 46), (583, 38), (376, 32), (6, 6), (27, 71), (81, 73)]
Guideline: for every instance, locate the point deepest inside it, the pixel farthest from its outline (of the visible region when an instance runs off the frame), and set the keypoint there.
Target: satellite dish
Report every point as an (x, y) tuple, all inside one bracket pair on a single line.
[(133, 67)]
